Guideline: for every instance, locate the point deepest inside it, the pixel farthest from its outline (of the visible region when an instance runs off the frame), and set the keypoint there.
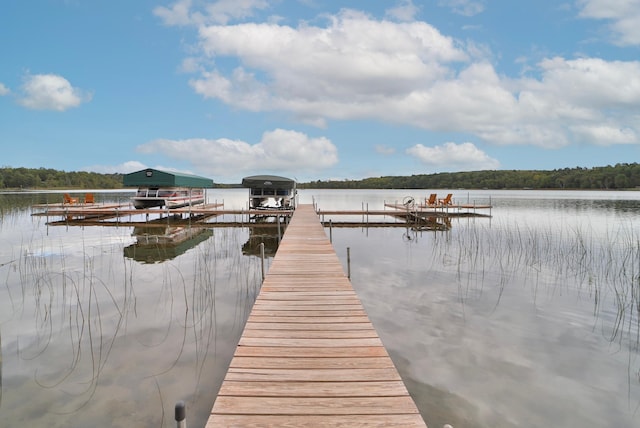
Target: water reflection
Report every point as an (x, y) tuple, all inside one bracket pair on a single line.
[(539, 311), (528, 320), (98, 339), (0, 367), (433, 224), (267, 233), (157, 244)]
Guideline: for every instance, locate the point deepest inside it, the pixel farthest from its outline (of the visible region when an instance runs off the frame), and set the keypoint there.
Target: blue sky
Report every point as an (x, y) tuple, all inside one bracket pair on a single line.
[(316, 89)]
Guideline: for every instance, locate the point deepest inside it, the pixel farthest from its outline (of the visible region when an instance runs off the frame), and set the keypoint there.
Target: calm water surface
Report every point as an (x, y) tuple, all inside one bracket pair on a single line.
[(528, 318)]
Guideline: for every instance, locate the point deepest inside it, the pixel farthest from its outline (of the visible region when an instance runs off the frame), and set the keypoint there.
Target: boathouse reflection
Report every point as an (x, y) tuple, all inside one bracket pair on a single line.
[(154, 244), (263, 232)]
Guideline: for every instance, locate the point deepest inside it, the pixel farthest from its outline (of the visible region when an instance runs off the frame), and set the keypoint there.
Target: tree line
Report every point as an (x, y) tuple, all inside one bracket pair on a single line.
[(44, 178), (619, 176)]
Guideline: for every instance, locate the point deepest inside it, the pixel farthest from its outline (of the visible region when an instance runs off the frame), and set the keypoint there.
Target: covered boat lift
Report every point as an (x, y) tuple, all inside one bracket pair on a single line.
[(271, 192), (164, 188), (156, 178)]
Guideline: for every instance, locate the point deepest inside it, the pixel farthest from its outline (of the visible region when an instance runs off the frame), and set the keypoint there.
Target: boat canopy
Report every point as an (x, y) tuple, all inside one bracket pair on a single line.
[(155, 178), (268, 182)]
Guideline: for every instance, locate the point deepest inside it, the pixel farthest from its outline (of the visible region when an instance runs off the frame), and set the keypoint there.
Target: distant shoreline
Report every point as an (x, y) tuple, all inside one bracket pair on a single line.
[(622, 176)]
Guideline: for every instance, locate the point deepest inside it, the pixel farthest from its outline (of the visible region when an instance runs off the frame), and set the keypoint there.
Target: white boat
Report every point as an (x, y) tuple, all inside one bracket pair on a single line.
[(169, 197)]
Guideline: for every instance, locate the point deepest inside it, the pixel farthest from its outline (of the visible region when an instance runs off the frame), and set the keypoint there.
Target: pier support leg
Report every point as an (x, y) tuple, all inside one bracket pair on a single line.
[(279, 233), (331, 231), (262, 259), (181, 415)]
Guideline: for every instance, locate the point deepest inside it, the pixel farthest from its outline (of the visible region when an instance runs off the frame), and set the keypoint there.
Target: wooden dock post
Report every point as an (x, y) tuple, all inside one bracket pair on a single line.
[(309, 355), (180, 413)]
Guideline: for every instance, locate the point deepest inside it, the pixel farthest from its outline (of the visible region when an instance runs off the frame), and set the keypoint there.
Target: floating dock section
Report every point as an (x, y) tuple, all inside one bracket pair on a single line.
[(420, 216), (309, 355)]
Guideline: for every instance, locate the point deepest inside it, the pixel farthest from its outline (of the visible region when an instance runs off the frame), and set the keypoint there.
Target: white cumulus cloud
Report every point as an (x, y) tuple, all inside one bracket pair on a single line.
[(182, 12), (455, 157), (606, 135), (278, 151), (404, 11), (177, 14), (123, 168), (464, 7), (3, 90), (50, 92), (223, 11), (351, 68), (357, 67), (623, 17)]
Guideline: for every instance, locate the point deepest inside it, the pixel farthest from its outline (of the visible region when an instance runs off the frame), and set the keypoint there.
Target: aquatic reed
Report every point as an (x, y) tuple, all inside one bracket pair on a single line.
[(88, 315), (564, 260)]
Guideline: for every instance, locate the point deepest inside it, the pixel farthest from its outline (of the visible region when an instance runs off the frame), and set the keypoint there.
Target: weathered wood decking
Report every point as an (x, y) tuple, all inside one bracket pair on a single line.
[(209, 214), (309, 356)]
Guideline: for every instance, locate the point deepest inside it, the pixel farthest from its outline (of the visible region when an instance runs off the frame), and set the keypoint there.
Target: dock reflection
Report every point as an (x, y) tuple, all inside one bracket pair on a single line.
[(267, 233), (433, 224), (154, 245)]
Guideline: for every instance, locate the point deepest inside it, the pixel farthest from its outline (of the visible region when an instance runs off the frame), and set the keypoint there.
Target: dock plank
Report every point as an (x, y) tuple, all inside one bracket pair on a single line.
[(303, 352), (394, 388), (309, 319), (319, 363), (309, 327), (324, 421), (308, 343), (311, 334), (309, 355), (369, 405), (313, 375)]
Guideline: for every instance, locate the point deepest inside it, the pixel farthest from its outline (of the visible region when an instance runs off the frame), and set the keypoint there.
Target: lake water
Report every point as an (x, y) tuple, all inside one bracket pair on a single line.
[(527, 318)]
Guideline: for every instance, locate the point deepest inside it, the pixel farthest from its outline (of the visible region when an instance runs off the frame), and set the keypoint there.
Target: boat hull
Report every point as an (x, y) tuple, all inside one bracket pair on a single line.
[(167, 197)]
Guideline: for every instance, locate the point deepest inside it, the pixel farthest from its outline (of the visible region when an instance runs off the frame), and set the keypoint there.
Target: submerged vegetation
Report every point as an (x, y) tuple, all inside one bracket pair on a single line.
[(79, 316), (93, 310), (604, 272), (620, 176)]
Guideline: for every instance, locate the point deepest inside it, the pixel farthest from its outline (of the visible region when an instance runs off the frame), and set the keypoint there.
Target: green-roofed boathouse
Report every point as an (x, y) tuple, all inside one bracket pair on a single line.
[(158, 188)]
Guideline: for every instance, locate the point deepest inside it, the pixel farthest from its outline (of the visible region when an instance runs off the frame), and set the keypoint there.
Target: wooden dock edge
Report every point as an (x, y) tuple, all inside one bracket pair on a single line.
[(309, 355)]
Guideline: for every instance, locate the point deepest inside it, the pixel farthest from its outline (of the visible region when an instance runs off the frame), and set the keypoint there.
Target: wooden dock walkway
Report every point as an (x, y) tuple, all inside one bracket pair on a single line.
[(309, 356)]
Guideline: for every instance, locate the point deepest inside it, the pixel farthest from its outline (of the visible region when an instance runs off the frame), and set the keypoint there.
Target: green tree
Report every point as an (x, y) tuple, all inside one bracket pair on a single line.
[(621, 181)]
